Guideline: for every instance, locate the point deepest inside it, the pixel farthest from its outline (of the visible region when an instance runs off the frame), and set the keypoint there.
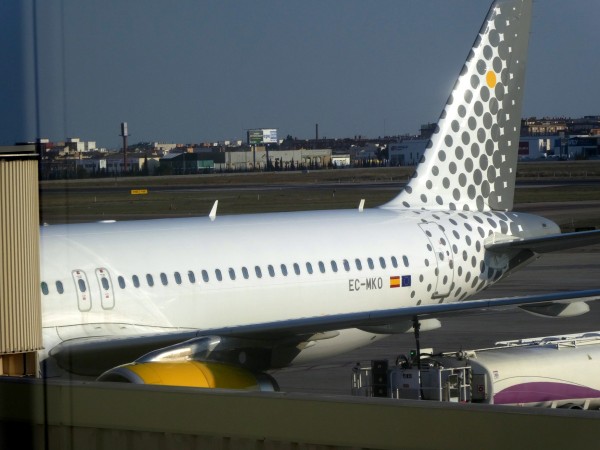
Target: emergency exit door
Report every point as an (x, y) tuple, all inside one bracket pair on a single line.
[(107, 294), (82, 288)]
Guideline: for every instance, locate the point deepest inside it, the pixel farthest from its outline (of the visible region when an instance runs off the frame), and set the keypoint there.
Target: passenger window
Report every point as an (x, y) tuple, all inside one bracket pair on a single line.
[(321, 267), (284, 271), (149, 280), (245, 273), (191, 277), (104, 282), (296, 269), (346, 265), (258, 271), (370, 263), (405, 261), (205, 276), (163, 279), (177, 277), (80, 282), (334, 266), (59, 287), (382, 262), (309, 268), (136, 281), (121, 281), (394, 262), (358, 264), (271, 270), (231, 273), (218, 275), (45, 287)]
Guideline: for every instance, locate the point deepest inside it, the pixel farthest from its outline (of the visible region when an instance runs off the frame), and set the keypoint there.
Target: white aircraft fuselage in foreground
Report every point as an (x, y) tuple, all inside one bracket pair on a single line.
[(263, 291)]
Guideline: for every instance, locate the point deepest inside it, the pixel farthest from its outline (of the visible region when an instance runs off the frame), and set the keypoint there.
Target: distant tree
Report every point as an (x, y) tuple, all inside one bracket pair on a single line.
[(164, 169), (145, 170), (82, 173), (381, 154)]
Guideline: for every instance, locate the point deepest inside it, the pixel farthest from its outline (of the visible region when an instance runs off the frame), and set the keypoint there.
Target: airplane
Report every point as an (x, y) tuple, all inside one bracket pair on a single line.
[(219, 301)]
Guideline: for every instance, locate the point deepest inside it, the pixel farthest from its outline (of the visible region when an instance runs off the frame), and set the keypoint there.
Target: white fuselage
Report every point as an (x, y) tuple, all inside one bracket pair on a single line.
[(123, 278), (424, 247)]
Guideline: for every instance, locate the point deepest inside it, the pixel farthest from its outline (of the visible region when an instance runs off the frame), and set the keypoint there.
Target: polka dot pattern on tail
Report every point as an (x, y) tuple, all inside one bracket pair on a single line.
[(475, 143)]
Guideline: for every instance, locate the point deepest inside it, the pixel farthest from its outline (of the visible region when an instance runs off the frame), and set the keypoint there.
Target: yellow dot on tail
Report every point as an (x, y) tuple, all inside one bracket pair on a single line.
[(491, 79)]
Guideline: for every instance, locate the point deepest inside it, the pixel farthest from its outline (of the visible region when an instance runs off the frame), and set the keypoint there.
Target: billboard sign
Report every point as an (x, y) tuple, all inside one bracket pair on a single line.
[(255, 137), (270, 136), (262, 136)]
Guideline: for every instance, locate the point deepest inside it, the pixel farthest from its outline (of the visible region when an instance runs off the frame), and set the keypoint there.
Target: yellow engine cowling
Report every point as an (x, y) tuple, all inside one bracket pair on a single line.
[(203, 374)]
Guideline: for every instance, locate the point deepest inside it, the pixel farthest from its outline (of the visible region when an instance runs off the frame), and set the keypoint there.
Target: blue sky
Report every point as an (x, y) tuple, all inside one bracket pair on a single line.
[(193, 71)]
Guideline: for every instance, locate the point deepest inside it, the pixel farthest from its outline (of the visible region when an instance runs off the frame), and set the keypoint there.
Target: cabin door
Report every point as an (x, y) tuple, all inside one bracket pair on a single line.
[(82, 288)]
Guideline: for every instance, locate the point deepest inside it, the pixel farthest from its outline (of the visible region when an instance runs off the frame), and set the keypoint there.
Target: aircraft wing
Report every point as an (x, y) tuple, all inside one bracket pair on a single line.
[(549, 243), (383, 317), (92, 355)]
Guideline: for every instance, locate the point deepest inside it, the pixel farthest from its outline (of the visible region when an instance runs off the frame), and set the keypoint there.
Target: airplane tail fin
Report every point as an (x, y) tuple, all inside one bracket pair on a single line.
[(470, 161)]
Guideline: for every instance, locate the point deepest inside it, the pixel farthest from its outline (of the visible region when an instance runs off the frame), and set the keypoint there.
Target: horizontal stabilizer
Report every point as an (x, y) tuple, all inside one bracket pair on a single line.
[(549, 243)]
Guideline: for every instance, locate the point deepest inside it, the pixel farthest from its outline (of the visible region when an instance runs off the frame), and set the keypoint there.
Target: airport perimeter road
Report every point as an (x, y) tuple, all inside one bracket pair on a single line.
[(572, 270)]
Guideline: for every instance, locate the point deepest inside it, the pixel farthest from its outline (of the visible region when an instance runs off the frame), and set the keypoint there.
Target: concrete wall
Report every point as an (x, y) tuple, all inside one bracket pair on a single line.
[(93, 416)]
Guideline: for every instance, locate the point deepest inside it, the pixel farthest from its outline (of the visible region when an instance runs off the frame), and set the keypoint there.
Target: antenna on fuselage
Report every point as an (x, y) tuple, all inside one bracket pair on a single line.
[(361, 205), (213, 211)]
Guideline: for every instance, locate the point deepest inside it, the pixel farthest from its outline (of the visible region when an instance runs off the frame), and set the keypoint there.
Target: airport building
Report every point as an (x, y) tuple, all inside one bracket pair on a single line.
[(559, 147), (77, 145), (584, 147), (540, 147), (547, 138), (340, 160), (189, 162), (205, 160), (406, 152), (70, 147), (262, 158), (97, 165)]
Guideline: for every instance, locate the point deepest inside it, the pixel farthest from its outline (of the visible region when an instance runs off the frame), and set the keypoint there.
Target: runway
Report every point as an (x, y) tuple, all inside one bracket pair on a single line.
[(566, 271)]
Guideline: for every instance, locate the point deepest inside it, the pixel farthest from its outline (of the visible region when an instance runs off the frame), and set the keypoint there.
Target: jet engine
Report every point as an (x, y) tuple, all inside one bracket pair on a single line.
[(204, 374)]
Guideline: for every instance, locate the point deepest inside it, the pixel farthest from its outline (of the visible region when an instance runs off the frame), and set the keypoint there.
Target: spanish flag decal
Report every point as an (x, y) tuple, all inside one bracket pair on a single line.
[(403, 281)]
